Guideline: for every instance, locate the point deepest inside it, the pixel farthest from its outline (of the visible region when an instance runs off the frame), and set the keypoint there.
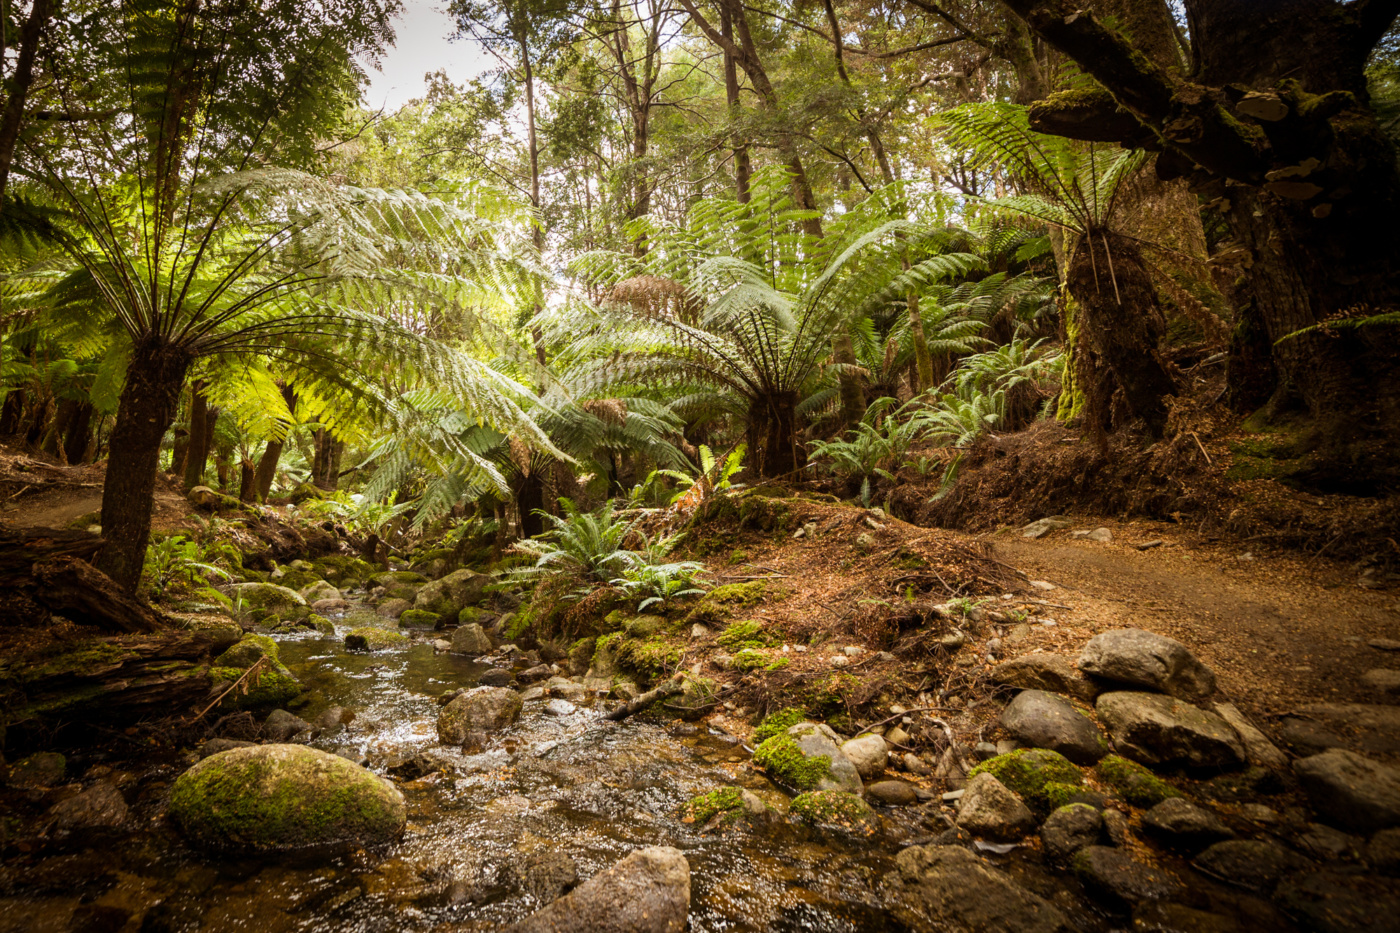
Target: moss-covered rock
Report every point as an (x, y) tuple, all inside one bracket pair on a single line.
[(483, 709), (747, 634), (834, 808), (779, 722), (222, 630), (320, 623), (269, 687), (268, 603), (1028, 772), (202, 497), (650, 657), (750, 659), (390, 577), (284, 798), (780, 757), (1133, 782), (726, 800), (373, 638), (344, 570), (449, 595), (474, 615), (737, 594), (419, 618), (319, 589), (248, 651), (644, 626)]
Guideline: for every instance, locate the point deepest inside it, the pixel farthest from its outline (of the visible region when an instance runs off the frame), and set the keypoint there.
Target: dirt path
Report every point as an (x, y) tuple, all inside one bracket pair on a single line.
[(1281, 632)]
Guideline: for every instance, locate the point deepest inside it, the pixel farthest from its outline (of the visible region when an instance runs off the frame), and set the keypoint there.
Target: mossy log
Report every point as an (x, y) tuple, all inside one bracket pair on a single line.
[(49, 567)]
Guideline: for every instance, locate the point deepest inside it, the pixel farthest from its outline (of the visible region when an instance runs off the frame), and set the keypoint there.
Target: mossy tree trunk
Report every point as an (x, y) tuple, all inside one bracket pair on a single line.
[(145, 411)]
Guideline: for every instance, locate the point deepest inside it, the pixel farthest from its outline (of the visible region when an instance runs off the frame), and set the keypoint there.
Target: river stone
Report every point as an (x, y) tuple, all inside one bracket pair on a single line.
[(1257, 747), (448, 596), (42, 769), (1383, 681), (545, 874), (483, 709), (393, 608), (947, 888), (284, 798), (265, 601), (319, 590), (892, 793), (1161, 730), (536, 674), (1070, 829), (868, 754), (1045, 720), (1352, 791), (214, 746), (1042, 527), (1045, 671), (647, 892), (471, 640), (1340, 902), (988, 809), (814, 739), (1383, 852), (1144, 659), (249, 650), (1120, 879), (281, 725), (100, 806), (1178, 822), (496, 677), (1249, 863)]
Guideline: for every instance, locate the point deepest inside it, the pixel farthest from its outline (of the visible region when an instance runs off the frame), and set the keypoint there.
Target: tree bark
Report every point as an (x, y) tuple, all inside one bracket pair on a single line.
[(267, 465), (145, 412), (201, 437), (772, 434), (743, 171), (12, 118), (1118, 304)]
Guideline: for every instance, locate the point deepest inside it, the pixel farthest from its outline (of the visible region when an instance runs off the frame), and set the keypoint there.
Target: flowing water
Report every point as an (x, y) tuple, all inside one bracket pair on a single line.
[(488, 836)]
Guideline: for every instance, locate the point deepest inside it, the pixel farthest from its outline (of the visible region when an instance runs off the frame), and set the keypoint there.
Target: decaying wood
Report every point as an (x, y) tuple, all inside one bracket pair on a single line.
[(660, 692), (49, 566)]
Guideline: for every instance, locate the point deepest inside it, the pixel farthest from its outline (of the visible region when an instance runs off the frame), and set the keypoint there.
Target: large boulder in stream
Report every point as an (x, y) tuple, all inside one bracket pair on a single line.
[(647, 892), (806, 758), (949, 888), (268, 603), (450, 595), (270, 799), (484, 709)]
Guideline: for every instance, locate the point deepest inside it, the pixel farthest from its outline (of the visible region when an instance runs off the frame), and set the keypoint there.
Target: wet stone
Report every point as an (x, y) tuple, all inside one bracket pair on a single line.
[(1337, 902), (1070, 829), (1121, 880), (496, 677), (1179, 823), (100, 806), (892, 793), (1250, 863)]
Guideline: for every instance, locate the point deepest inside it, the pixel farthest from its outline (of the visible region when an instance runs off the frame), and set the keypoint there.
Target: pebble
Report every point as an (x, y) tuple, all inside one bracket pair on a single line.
[(1043, 585), (853, 651), (559, 708)]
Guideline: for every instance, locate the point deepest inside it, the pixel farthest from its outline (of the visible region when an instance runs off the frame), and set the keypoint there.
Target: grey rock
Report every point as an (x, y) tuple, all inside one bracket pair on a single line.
[(566, 689), (1307, 737), (1161, 730), (471, 640), (1178, 822), (1350, 790), (544, 874), (1046, 720), (1384, 644), (1383, 851), (1144, 659), (449, 595), (984, 750), (393, 608), (1070, 829), (892, 793), (1257, 747), (868, 753), (947, 888), (814, 739), (1383, 682), (647, 892), (333, 719), (100, 806), (1329, 844), (495, 677), (1121, 880), (988, 809), (1115, 826), (1250, 863), (535, 674), (281, 725), (1042, 670), (560, 708), (1042, 527), (214, 746), (1374, 728), (483, 709), (1340, 902)]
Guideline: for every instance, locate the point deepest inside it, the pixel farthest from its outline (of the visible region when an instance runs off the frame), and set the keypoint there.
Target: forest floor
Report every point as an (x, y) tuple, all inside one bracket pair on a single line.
[(35, 492)]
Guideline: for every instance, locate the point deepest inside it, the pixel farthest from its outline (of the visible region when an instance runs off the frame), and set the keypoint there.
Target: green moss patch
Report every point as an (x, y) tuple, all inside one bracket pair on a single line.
[(750, 659), (778, 723), (780, 757), (276, 687), (1029, 772), (652, 657), (1134, 783), (747, 634), (371, 638), (833, 808), (726, 800), (247, 652), (418, 618)]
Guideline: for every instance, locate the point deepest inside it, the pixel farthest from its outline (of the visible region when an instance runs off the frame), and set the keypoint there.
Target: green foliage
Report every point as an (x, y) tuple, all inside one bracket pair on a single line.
[(658, 584), (175, 560), (833, 808), (587, 546), (740, 635)]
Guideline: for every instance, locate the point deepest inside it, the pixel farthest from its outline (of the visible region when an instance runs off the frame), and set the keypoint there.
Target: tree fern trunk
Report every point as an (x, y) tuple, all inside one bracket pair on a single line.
[(201, 435), (145, 411), (852, 397), (922, 359)]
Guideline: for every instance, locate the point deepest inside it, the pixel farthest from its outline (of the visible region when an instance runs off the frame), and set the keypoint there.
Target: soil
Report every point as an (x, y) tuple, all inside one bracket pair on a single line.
[(35, 492)]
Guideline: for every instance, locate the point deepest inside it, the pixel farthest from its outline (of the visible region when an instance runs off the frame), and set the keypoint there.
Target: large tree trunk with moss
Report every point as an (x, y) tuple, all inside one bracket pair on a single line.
[(1117, 304), (1275, 125), (772, 435), (145, 412)]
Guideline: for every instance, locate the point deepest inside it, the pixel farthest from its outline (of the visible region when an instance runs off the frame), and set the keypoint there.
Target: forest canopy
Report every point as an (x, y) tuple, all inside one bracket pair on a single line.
[(845, 241)]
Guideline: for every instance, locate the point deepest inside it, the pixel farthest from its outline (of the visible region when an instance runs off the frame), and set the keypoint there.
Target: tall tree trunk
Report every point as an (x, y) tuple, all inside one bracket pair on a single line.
[(1118, 302), (12, 118), (77, 438), (267, 465), (145, 412), (852, 396), (201, 437), (772, 435), (247, 480), (743, 170), (12, 412)]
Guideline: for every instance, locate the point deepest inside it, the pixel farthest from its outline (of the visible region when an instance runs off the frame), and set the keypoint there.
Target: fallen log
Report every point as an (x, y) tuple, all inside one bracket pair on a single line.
[(49, 567), (656, 694)]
